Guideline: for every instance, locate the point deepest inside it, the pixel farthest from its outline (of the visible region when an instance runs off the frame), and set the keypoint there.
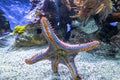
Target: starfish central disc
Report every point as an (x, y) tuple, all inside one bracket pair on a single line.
[(61, 52)]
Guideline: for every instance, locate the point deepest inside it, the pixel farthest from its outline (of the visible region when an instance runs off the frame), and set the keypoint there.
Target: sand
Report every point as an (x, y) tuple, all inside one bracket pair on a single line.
[(90, 67)]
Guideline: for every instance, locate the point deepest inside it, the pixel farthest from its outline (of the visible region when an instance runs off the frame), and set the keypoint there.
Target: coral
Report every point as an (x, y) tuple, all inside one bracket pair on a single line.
[(86, 8), (19, 29)]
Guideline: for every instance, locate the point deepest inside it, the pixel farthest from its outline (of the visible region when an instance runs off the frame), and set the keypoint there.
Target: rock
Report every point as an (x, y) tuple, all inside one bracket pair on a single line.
[(117, 56), (76, 37), (30, 37), (4, 24), (116, 39), (45, 7), (105, 49), (89, 27), (116, 5)]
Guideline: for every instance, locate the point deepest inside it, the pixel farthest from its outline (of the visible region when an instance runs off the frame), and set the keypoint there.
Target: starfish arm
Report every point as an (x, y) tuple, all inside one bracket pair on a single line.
[(48, 32), (71, 65), (58, 44), (55, 64), (70, 48), (39, 56)]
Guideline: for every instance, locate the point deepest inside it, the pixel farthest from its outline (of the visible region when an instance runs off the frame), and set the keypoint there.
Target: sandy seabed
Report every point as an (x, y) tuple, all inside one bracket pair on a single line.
[(90, 67)]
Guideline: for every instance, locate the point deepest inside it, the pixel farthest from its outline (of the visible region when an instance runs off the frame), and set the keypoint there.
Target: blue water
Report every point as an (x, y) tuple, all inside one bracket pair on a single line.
[(15, 10)]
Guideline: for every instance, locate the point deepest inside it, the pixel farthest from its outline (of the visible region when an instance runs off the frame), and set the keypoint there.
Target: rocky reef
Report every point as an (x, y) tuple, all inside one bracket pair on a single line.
[(30, 36), (59, 14)]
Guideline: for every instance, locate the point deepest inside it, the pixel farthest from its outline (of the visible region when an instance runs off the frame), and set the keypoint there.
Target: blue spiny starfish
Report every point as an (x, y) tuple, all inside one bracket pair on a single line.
[(60, 51)]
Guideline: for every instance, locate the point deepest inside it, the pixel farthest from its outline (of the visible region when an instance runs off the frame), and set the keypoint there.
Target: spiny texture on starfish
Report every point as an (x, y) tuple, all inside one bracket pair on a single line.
[(59, 51)]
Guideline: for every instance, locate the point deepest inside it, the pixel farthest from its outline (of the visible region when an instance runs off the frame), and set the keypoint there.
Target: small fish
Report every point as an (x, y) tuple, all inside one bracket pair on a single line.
[(68, 27), (114, 24)]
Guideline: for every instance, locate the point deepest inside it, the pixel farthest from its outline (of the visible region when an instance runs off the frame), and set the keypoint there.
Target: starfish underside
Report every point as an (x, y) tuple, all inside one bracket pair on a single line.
[(59, 51)]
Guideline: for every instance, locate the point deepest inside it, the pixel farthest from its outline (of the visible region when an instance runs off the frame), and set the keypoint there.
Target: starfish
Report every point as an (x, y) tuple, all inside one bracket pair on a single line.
[(59, 51)]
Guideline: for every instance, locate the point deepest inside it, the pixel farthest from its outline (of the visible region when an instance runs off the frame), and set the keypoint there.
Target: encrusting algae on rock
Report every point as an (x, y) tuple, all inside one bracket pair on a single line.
[(28, 35)]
